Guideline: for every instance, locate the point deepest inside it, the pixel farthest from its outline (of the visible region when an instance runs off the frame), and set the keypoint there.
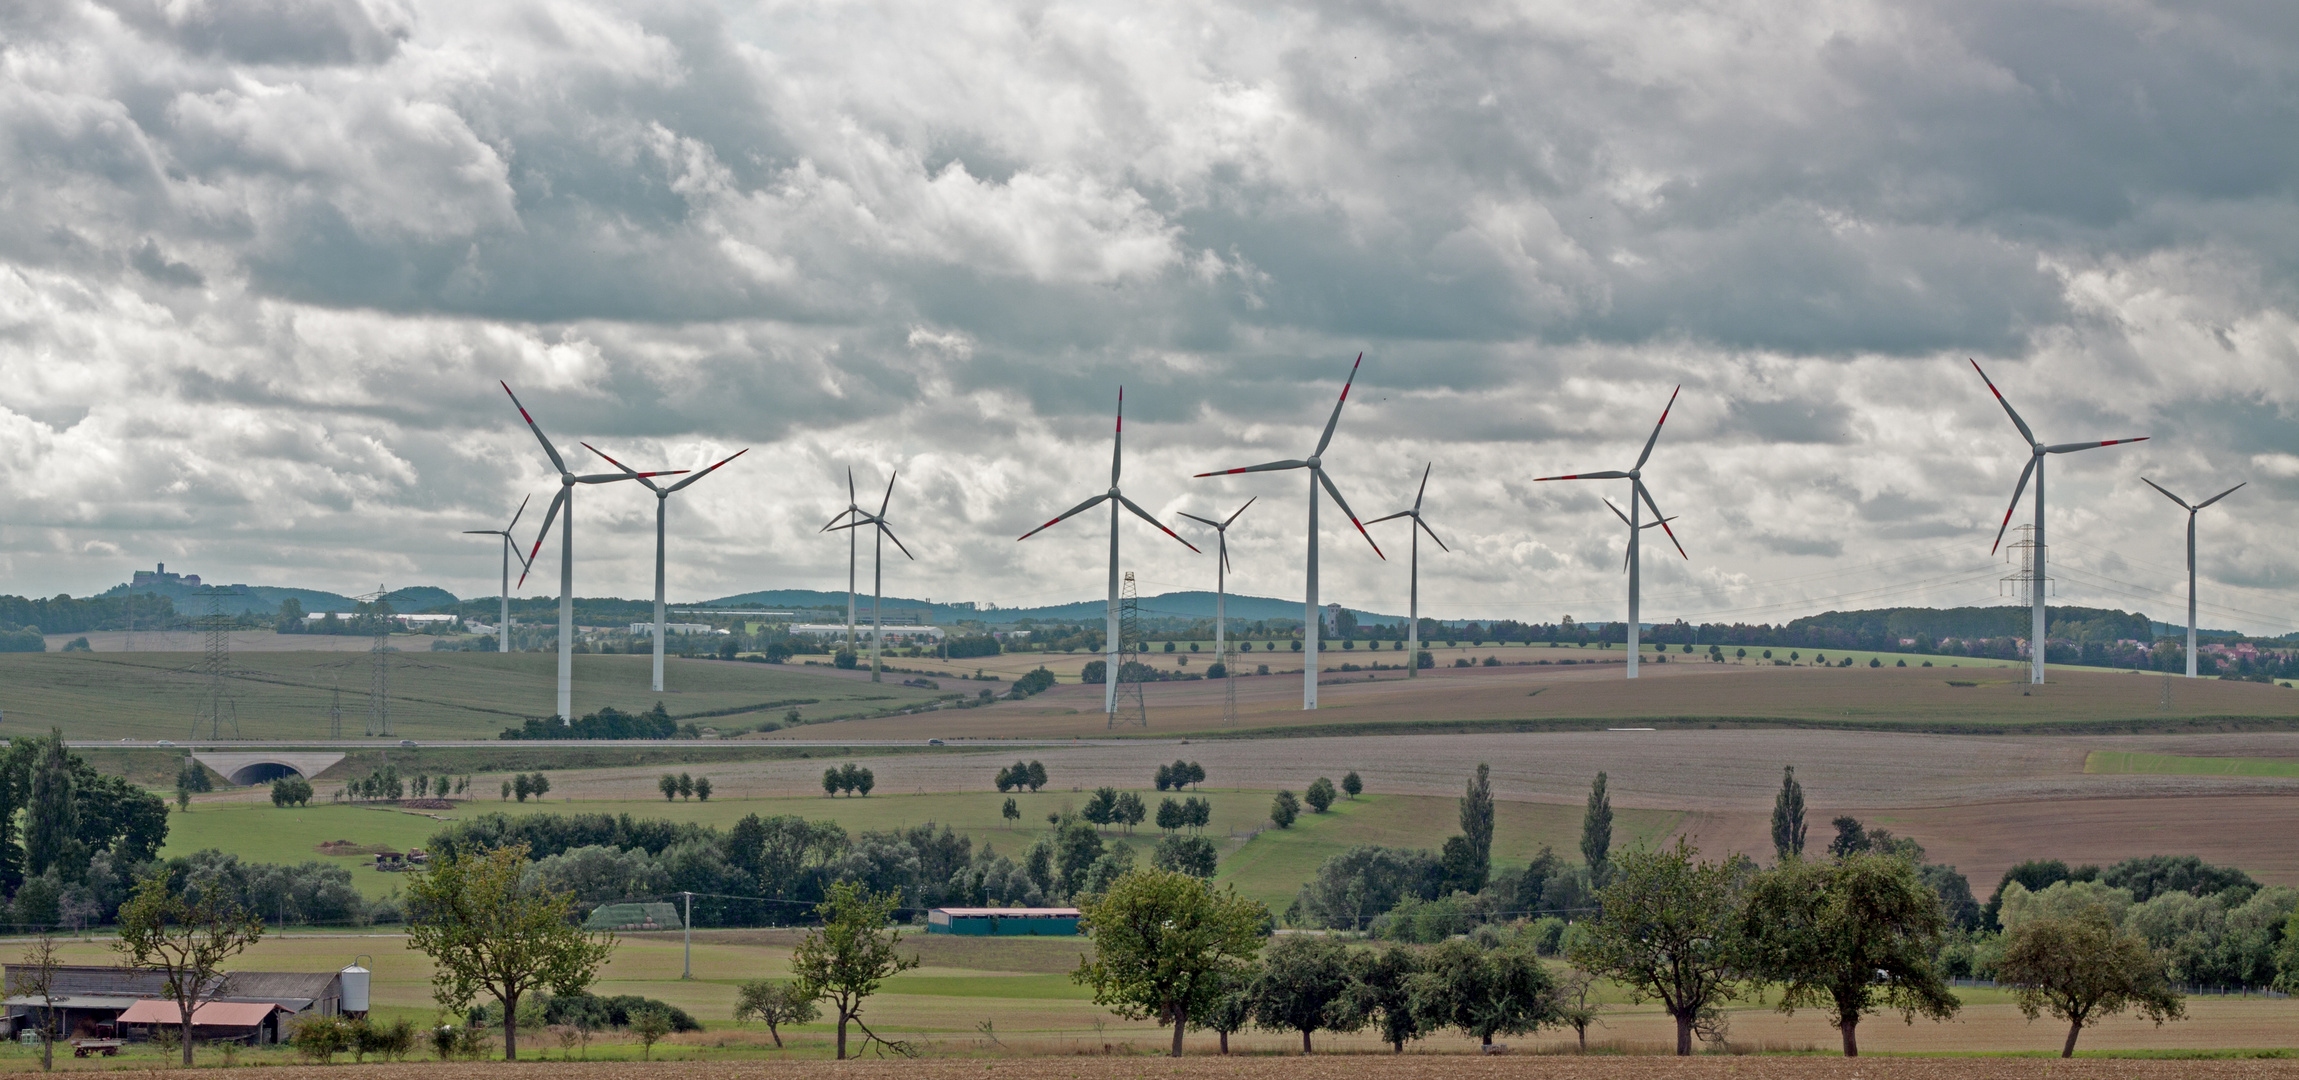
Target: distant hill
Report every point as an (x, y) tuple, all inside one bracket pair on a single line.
[(1972, 623), (1173, 605), (265, 599)]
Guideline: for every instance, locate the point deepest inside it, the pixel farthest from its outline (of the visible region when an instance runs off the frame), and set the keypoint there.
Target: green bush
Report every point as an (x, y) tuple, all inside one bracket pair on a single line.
[(320, 1038)]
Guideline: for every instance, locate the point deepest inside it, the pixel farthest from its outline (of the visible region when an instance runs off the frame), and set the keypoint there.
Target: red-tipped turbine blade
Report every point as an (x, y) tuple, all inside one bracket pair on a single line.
[(1336, 417), (1660, 519), (1274, 466), (1066, 515), (1609, 474), (712, 469), (1145, 516), (1640, 458), (1344, 505), (2022, 489), (2070, 447), (553, 451), (2030, 436)]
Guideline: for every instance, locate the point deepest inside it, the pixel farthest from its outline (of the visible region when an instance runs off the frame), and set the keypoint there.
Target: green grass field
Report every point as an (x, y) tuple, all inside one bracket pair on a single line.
[(1269, 866), (2126, 762), (287, 695)]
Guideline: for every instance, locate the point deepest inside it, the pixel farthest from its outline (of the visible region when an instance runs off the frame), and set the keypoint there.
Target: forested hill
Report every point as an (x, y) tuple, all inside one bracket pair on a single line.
[(1974, 623)]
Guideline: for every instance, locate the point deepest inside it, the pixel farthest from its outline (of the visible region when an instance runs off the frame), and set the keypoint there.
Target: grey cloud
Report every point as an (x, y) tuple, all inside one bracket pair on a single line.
[(272, 31)]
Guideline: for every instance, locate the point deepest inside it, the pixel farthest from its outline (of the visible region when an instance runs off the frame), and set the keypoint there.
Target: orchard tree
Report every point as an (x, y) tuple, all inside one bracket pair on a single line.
[(1351, 785), (487, 931), (846, 958), (2082, 968), (1854, 936), (1666, 930), (1380, 995), (1301, 987), (774, 1004), (1320, 795), (1231, 1010), (1164, 945), (1484, 992), (186, 934), (1284, 809)]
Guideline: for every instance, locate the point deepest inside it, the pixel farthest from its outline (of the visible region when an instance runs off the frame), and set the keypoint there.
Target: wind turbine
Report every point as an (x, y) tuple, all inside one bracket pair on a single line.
[(510, 552), (2036, 452), (1638, 498), (1413, 616), (1315, 463), (852, 514), (1115, 498), (2190, 557), (565, 499), (878, 567), (662, 502), (1221, 583)]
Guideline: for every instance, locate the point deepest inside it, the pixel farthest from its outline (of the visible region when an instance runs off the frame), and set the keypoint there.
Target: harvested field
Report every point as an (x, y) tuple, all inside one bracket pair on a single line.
[(1368, 1067), (1913, 699)]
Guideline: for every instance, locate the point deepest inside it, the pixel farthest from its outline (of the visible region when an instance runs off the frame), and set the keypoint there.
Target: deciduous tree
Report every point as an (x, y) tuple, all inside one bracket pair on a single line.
[(2081, 968), (1484, 992), (1380, 994), (187, 938), (1853, 936), (1320, 795), (774, 1004), (1302, 986), (1665, 930), (846, 958), (1596, 831), (487, 931), (1164, 942), (1788, 816)]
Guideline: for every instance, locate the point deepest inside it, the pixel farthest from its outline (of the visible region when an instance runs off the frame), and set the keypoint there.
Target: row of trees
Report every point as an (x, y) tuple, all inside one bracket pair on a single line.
[(684, 786)]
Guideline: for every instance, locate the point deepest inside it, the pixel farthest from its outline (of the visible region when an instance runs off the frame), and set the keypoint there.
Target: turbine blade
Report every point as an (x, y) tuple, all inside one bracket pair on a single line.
[(2071, 447), (2030, 436), (2174, 498), (547, 447), (882, 503), (1066, 515), (1640, 458), (1660, 519), (1424, 526), (516, 514), (549, 518), (1274, 466), (1390, 517), (1225, 553), (1194, 517), (1144, 515), (1424, 486), (846, 513), (609, 478), (1118, 440), (1240, 512), (1336, 418), (631, 472), (2221, 495), (1609, 474), (1616, 513), (712, 469), (850, 496), (482, 532), (2022, 489), (889, 531), (1344, 505)]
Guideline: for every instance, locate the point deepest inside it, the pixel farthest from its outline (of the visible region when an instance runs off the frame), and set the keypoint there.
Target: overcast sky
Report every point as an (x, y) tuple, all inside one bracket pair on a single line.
[(266, 259)]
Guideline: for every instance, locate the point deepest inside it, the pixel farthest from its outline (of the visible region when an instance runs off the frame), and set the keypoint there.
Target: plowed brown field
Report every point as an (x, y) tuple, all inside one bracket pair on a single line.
[(1359, 1067)]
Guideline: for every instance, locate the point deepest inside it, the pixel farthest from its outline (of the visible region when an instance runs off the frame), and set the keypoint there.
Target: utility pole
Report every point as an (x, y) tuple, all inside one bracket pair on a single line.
[(688, 920)]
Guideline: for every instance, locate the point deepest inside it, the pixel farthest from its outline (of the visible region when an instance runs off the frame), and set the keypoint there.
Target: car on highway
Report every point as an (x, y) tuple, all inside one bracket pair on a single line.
[(163, 742), (407, 742), (933, 742)]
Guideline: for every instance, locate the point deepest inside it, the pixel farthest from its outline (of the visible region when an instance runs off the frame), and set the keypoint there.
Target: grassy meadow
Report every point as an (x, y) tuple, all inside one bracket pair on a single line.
[(2130, 763)]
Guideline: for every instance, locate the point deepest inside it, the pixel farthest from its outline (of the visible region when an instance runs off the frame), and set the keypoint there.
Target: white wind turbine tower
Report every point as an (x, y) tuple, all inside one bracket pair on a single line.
[(1115, 498), (878, 568), (1638, 499), (1315, 464), (852, 515), (1413, 611), (510, 552), (2190, 557), (662, 502), (1221, 583), (2036, 452), (565, 500)]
